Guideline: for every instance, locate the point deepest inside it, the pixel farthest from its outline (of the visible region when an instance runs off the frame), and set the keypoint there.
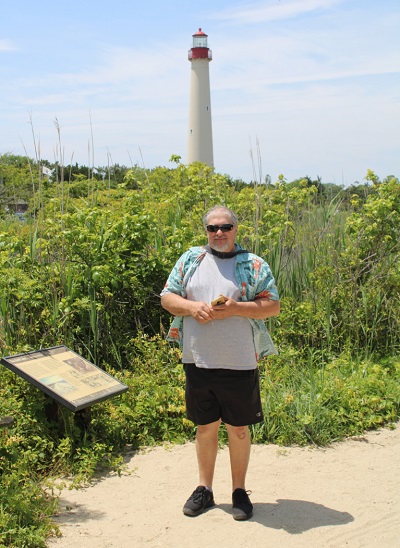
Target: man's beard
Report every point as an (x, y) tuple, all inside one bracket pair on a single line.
[(221, 248)]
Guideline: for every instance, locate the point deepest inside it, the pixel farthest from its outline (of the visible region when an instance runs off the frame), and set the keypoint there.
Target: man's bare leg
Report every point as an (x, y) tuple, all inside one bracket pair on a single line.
[(206, 449), (239, 452)]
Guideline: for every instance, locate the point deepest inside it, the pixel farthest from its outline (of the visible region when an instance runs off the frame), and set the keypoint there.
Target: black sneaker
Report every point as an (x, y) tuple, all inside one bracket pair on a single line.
[(199, 500), (242, 507)]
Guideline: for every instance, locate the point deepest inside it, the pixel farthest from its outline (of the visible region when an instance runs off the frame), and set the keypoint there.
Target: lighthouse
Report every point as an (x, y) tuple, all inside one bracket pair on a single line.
[(200, 145)]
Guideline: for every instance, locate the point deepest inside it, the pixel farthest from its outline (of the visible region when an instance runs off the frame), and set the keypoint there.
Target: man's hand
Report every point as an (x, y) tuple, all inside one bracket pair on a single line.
[(226, 310), (179, 306), (201, 312)]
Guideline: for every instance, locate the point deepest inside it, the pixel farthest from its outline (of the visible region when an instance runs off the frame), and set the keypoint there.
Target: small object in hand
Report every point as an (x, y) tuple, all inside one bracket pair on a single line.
[(219, 300)]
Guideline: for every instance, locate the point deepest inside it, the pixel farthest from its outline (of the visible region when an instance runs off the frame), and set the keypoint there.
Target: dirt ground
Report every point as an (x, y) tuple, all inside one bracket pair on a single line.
[(346, 495)]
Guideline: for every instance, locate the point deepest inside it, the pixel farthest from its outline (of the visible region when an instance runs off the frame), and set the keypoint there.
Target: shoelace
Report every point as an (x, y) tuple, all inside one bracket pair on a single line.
[(197, 496)]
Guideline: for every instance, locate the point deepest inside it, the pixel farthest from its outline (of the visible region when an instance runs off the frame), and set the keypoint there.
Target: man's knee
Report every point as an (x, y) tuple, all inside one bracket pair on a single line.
[(240, 432)]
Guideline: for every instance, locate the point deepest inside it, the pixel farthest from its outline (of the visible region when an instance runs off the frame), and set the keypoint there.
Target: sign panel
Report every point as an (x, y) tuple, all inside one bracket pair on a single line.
[(65, 376)]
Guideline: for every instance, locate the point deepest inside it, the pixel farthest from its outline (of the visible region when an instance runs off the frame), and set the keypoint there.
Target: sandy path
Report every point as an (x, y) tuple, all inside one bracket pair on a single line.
[(347, 495)]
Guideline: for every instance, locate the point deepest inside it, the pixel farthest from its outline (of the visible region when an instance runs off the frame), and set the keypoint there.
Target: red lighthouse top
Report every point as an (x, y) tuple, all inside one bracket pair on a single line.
[(200, 49)]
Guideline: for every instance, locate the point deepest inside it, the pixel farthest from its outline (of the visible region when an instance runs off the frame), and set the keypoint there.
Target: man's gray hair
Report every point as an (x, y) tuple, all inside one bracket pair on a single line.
[(220, 209)]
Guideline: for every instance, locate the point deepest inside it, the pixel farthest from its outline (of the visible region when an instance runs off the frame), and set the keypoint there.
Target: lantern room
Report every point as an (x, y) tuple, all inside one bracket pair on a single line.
[(200, 39), (200, 48)]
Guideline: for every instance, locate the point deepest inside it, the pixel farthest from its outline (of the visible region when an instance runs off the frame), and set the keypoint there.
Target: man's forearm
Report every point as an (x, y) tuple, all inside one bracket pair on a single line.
[(259, 309), (256, 310), (176, 305)]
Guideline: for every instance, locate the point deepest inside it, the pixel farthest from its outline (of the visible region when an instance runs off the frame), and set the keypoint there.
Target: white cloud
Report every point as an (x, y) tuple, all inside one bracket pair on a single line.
[(121, 75), (281, 9), (305, 54)]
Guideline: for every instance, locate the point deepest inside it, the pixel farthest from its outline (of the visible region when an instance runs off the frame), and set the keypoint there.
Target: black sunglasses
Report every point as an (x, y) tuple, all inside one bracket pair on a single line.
[(215, 228)]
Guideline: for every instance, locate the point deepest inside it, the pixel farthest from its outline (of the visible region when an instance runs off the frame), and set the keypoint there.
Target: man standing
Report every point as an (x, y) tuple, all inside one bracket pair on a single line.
[(221, 344)]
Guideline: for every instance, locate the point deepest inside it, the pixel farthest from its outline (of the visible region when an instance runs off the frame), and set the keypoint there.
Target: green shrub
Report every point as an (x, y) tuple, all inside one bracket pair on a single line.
[(310, 401)]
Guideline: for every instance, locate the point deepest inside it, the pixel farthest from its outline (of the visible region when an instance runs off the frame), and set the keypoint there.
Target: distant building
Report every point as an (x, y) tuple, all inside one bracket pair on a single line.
[(19, 207)]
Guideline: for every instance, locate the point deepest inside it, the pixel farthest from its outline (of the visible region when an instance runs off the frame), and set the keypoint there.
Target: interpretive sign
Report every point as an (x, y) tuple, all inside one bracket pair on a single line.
[(65, 376)]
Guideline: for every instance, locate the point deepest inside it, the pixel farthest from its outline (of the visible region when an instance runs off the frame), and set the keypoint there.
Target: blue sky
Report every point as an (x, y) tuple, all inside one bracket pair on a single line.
[(298, 87)]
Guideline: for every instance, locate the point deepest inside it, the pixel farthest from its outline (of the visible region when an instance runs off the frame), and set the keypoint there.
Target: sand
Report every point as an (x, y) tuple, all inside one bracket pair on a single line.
[(345, 495)]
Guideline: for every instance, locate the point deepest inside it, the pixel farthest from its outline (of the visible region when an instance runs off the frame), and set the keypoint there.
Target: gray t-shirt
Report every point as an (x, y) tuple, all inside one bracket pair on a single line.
[(222, 344)]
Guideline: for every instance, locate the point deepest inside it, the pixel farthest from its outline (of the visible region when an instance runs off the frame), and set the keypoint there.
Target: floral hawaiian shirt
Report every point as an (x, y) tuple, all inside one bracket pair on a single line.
[(255, 280)]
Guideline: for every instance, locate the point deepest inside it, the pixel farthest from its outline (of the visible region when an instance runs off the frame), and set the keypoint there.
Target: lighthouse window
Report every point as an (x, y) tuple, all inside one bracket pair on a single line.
[(199, 42)]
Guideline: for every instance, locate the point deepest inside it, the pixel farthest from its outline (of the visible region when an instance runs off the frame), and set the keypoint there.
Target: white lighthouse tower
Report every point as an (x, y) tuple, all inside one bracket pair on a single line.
[(200, 145)]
